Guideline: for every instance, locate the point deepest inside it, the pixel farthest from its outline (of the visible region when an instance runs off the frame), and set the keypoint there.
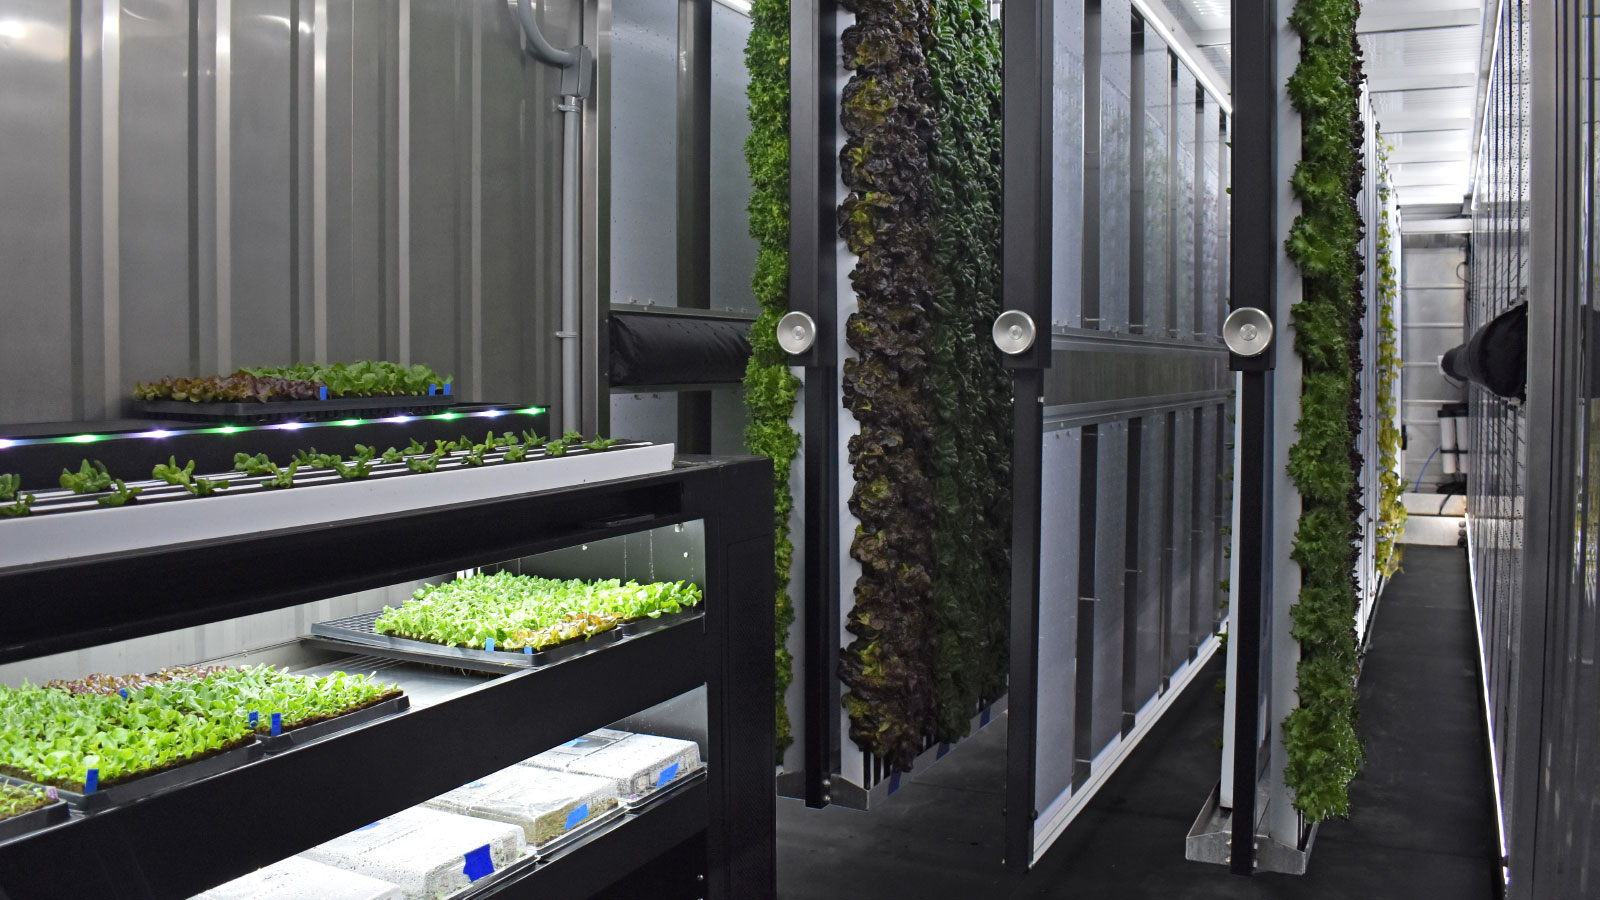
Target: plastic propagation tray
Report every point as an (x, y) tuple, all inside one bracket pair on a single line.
[(552, 808), (146, 785), (430, 854), (297, 878), (305, 734), (359, 630), (640, 765), (43, 817), (635, 627), (243, 411)]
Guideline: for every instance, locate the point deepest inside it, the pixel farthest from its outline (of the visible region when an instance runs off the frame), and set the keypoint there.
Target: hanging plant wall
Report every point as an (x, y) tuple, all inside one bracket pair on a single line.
[(1323, 750), (971, 452), (770, 388), (1391, 506), (889, 128)]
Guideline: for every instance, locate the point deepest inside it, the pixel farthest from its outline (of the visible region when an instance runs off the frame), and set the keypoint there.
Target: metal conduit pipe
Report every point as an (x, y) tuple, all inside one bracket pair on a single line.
[(577, 77)]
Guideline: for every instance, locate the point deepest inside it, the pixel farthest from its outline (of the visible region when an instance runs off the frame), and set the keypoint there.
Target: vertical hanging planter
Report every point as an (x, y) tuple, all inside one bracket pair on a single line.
[(1323, 750), (1391, 507), (971, 453), (770, 388), (885, 221)]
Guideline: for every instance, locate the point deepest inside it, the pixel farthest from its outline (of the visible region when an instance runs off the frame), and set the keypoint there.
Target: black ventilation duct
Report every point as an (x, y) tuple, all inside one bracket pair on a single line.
[(664, 351), (1496, 358)]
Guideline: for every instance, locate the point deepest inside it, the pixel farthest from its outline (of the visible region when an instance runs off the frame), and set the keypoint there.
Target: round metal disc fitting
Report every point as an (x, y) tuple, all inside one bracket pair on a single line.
[(796, 333), (1014, 332), (1247, 331)]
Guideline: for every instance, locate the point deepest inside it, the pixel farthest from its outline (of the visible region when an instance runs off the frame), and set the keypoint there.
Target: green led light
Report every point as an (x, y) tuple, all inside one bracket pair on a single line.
[(446, 417), (348, 422), (532, 410), (86, 438), (229, 429)]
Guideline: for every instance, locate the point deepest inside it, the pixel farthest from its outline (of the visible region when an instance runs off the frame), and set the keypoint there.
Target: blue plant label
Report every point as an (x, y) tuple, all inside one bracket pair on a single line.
[(528, 650), (277, 724), (430, 390), (447, 390), (322, 392), (255, 718), (52, 793), (478, 863), (576, 816), (573, 743), (488, 643), (124, 693), (91, 782), (667, 774), (369, 827), (894, 783)]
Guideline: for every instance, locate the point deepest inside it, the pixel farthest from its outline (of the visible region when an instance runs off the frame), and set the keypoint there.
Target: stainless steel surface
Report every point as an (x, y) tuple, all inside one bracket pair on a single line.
[(1067, 233), (1247, 331), (733, 250), (1185, 205), (1111, 163), (1154, 268), (796, 332), (1013, 332), (1058, 614), (260, 203), (1109, 603)]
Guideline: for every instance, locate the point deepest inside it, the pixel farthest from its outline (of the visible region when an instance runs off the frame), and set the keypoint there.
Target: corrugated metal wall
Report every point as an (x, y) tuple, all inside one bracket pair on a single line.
[(192, 186)]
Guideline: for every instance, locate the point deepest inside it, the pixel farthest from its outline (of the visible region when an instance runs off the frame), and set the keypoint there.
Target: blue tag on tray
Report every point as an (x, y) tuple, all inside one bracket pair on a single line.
[(430, 390), (573, 743), (124, 693), (322, 392), (528, 650), (576, 816), (255, 718), (667, 774), (447, 390), (894, 783), (277, 724), (488, 644), (91, 782), (369, 827), (478, 863)]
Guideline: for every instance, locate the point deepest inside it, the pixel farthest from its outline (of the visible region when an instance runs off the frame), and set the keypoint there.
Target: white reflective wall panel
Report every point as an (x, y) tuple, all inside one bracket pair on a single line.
[(1116, 131), (1154, 269), (1058, 612), (1067, 166)]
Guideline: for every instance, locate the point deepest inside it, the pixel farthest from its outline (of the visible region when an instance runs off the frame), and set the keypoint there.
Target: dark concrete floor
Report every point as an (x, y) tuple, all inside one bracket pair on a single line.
[(1421, 827)]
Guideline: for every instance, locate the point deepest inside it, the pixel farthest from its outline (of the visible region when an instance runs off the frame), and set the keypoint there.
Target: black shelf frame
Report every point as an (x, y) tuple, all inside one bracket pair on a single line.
[(180, 842)]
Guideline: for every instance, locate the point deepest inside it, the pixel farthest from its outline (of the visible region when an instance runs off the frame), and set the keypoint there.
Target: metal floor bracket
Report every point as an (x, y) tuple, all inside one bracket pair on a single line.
[(1210, 840)]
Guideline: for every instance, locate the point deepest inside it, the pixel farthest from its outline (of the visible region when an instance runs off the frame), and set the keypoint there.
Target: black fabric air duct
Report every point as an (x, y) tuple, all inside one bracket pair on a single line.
[(652, 349), (1496, 358)]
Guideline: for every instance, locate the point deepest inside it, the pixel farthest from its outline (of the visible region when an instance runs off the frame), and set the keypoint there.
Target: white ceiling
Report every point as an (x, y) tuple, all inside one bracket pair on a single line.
[(1422, 70)]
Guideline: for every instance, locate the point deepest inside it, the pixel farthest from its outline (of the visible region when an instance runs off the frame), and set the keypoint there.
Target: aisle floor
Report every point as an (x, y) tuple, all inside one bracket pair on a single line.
[(1422, 821)]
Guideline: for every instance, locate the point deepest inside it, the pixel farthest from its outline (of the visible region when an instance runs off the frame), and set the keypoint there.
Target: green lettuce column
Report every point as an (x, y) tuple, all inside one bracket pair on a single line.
[(769, 387), (1323, 750)]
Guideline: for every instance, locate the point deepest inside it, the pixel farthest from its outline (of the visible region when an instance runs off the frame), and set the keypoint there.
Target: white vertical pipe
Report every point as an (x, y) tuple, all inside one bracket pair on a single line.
[(403, 178), (110, 225), (1447, 444), (319, 181), (223, 161), (571, 114)]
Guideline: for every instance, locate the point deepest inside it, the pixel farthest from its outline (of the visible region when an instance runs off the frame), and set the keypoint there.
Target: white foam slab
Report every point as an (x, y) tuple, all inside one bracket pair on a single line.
[(52, 538), (302, 879), (639, 764), (422, 850)]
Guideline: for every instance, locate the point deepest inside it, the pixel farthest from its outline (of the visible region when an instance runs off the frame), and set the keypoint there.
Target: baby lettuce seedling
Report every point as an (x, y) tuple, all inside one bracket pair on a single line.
[(600, 443), (253, 465), (392, 455), (475, 455), (91, 478), (555, 448), (9, 485), (415, 448), (281, 478), (516, 453), (122, 496), (18, 509), (572, 437), (428, 463), (184, 478), (359, 467), (531, 438)]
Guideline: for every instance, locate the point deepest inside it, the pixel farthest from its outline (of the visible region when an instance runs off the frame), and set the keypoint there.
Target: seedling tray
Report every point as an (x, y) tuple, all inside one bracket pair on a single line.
[(43, 817), (305, 734), (236, 412), (145, 786), (636, 627), (578, 832), (359, 630), (659, 795)]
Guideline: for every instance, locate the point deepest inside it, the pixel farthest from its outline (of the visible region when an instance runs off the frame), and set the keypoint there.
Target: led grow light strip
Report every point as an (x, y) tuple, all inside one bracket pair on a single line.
[(1488, 708), (1169, 32), (7, 443)]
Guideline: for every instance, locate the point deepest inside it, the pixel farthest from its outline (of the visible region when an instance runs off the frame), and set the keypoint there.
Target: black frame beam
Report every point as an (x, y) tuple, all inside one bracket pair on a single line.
[(1254, 250), (694, 198), (813, 241)]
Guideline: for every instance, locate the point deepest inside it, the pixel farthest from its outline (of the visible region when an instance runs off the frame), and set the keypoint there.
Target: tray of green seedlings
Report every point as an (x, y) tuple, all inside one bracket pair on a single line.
[(513, 620), (25, 808), (98, 750), (285, 710)]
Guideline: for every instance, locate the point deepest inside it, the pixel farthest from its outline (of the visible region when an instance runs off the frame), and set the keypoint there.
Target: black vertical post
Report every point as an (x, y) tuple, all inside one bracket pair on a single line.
[(1253, 259), (1026, 278), (694, 199), (813, 248)]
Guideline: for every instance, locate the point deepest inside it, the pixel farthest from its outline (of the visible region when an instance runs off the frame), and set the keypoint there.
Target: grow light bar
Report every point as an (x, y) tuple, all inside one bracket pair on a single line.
[(6, 443)]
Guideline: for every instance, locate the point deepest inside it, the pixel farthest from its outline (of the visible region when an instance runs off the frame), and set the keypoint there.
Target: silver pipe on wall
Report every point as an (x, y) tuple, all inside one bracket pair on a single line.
[(577, 78)]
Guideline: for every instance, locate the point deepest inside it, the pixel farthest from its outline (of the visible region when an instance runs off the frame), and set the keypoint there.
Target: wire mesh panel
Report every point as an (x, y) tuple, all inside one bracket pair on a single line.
[(1181, 624), (1147, 445), (1101, 613)]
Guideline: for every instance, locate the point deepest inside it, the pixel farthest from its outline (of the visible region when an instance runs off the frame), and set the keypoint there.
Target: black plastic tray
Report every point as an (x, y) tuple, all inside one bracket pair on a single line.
[(636, 627), (140, 788), (273, 410), (288, 740), (43, 817), (358, 630)]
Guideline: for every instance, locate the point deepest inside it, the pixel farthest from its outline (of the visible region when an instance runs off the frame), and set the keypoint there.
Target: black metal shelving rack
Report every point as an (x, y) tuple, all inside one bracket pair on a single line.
[(713, 839)]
